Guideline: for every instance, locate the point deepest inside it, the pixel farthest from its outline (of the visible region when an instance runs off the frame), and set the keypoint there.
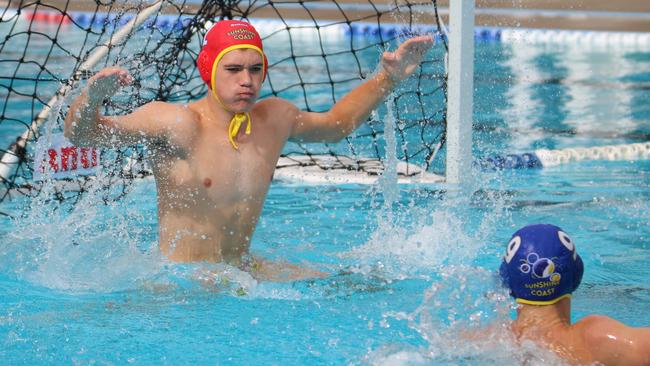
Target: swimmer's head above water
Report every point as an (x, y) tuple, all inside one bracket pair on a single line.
[(541, 265), (223, 37)]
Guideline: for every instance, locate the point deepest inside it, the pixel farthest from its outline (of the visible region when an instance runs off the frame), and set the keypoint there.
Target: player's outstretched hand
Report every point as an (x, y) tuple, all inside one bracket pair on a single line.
[(401, 63), (107, 82)]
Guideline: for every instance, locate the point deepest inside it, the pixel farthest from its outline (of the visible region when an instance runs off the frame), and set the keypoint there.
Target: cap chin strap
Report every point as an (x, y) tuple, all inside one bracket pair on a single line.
[(235, 125), (238, 118), (235, 122)]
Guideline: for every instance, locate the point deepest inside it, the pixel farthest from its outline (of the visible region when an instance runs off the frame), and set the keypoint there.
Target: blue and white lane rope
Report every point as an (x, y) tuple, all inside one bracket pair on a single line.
[(546, 158), (174, 22)]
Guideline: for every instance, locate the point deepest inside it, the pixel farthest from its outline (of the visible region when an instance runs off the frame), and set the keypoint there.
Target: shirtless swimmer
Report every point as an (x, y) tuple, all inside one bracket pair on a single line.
[(213, 159), (542, 269)]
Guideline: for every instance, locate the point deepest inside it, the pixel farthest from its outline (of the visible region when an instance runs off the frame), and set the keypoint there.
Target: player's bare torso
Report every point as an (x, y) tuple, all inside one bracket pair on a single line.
[(210, 195)]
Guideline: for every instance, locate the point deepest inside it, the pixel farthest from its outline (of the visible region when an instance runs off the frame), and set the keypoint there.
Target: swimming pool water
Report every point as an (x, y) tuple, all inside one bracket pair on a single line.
[(89, 287)]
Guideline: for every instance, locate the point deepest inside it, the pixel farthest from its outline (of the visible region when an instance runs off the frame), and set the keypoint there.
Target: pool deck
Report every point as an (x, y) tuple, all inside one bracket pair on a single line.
[(599, 15)]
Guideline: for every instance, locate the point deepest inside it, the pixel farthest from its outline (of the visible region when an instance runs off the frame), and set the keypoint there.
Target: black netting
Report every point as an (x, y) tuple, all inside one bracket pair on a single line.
[(317, 50)]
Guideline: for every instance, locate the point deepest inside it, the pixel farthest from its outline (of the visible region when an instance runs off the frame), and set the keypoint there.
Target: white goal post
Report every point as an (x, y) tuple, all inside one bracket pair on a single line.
[(460, 91)]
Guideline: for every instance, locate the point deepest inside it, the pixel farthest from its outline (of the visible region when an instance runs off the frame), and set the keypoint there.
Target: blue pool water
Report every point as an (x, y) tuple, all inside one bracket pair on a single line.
[(412, 266)]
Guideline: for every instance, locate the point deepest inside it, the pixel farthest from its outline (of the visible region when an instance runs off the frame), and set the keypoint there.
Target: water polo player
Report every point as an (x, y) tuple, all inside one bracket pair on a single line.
[(542, 269), (213, 159)]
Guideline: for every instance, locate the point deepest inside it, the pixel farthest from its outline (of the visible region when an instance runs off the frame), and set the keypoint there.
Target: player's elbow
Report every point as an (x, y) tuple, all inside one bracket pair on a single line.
[(68, 130), (338, 131), (71, 125), (68, 134), (77, 133)]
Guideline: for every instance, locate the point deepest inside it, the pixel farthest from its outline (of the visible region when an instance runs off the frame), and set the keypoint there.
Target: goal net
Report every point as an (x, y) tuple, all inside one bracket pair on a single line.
[(318, 50)]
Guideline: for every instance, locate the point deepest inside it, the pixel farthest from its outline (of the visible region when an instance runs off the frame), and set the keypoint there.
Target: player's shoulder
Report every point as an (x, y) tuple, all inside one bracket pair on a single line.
[(179, 122), (593, 322), (178, 119), (277, 106), (594, 328), (161, 110), (607, 339)]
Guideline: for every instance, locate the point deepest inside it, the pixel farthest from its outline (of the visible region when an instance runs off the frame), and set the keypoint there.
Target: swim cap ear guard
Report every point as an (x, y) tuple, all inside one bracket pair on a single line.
[(541, 265)]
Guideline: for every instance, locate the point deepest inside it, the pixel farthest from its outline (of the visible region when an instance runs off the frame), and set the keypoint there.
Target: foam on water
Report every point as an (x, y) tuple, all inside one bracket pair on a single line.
[(87, 248), (84, 250), (412, 241), (493, 351), (437, 243), (450, 336)]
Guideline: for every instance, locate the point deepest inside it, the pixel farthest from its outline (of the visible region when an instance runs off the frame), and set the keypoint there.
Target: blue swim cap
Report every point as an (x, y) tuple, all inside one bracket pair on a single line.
[(541, 265)]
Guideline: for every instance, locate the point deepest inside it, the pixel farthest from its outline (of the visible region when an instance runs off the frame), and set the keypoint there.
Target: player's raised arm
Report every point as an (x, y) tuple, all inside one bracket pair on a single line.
[(355, 107), (153, 122)]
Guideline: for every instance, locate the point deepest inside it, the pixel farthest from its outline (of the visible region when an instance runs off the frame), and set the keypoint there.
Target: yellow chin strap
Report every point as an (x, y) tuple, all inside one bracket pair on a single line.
[(235, 125), (238, 118)]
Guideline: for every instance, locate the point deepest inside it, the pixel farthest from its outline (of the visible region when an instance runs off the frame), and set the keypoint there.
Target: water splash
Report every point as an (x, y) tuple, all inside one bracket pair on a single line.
[(401, 251), (412, 242), (388, 180), (463, 319), (91, 246)]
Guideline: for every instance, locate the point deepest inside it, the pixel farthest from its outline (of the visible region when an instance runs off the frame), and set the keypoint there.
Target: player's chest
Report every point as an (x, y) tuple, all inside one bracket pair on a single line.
[(219, 167)]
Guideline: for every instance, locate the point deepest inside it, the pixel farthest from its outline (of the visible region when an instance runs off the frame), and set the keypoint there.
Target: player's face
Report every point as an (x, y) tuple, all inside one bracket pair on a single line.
[(239, 79)]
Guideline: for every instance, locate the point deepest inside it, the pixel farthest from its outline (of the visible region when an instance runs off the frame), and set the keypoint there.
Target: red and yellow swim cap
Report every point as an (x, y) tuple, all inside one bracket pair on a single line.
[(223, 37)]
